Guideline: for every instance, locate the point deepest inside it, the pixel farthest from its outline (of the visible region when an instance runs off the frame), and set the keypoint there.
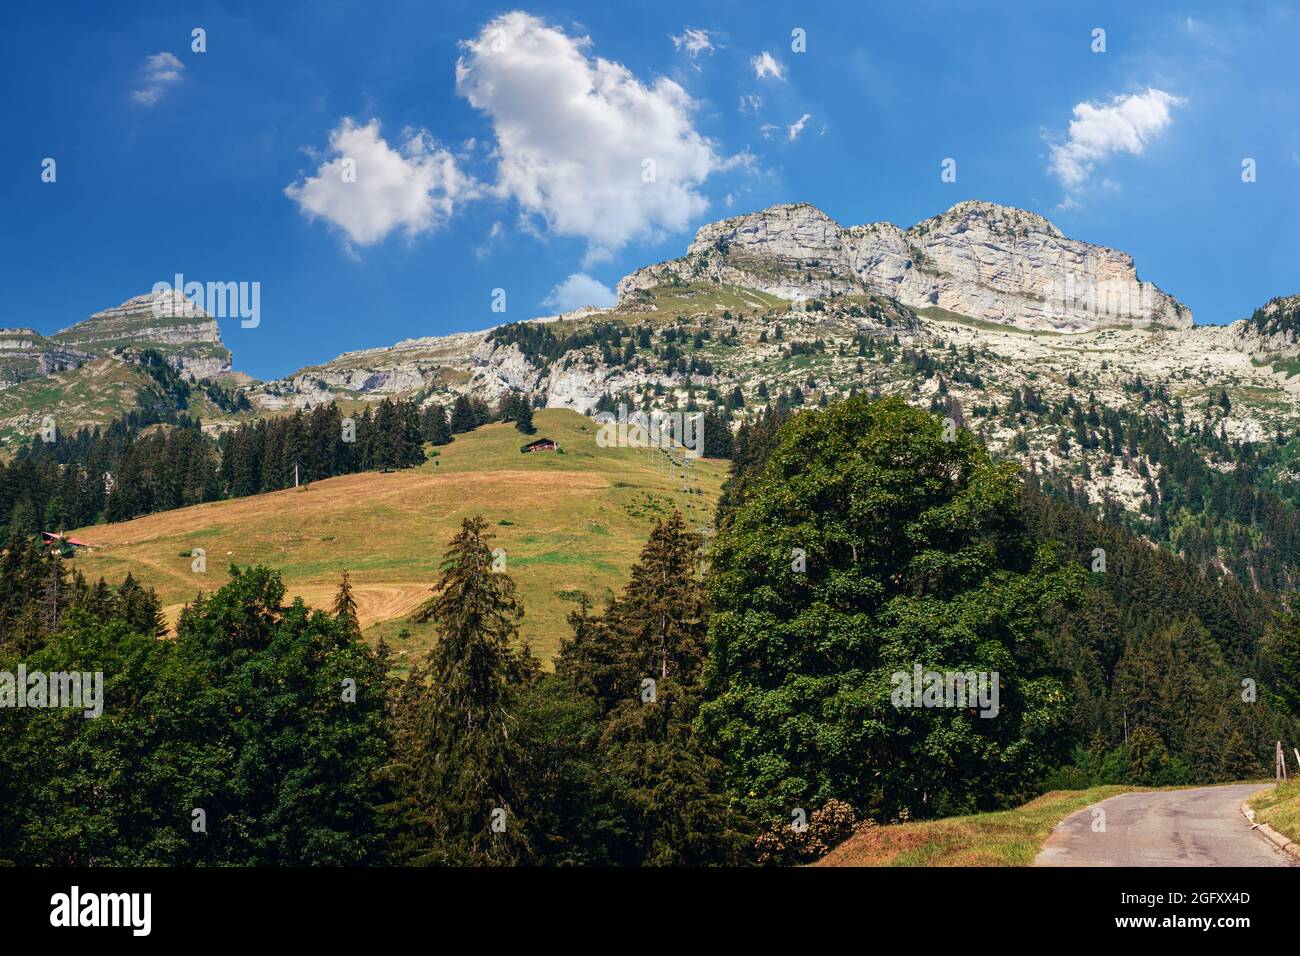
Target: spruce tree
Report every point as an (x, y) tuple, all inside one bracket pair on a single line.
[(524, 417), (463, 416), (345, 605), (1238, 761), (453, 713), (661, 799), (437, 429)]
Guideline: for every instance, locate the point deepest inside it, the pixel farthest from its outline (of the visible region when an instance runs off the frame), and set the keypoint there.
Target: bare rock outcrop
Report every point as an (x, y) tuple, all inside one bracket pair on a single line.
[(978, 259), (1272, 332), (182, 332)]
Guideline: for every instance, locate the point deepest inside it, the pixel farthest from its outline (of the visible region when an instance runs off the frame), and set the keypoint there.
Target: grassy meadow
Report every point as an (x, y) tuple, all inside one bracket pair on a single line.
[(568, 522)]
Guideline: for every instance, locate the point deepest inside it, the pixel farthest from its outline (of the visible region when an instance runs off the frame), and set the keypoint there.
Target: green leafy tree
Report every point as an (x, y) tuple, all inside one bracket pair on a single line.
[(868, 546), (288, 716), (255, 738)]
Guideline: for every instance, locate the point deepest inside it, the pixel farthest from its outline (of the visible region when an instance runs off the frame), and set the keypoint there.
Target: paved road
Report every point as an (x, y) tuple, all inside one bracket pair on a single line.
[(1201, 827)]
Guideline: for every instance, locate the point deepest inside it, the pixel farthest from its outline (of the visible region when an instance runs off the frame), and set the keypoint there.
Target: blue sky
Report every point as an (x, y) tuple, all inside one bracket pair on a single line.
[(523, 167)]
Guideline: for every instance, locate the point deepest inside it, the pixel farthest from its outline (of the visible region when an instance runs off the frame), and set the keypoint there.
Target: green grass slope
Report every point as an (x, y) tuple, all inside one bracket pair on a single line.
[(568, 522), (1280, 809)]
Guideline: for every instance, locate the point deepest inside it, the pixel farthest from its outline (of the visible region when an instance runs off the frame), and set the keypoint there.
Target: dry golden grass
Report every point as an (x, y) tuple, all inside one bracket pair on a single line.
[(567, 522)]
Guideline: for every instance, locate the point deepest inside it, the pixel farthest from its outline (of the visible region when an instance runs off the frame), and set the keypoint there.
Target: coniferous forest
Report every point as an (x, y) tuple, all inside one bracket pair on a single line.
[(686, 717), (144, 463)]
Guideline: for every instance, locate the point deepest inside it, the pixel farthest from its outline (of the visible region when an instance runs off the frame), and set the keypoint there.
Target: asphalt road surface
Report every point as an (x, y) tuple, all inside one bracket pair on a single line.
[(1200, 827)]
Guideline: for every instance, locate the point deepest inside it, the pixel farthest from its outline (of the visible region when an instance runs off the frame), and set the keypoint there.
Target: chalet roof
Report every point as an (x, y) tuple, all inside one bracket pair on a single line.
[(50, 535)]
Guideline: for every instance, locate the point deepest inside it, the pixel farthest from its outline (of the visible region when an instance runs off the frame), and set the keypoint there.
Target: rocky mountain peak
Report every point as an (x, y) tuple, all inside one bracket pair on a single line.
[(978, 259), (998, 218), (178, 328)]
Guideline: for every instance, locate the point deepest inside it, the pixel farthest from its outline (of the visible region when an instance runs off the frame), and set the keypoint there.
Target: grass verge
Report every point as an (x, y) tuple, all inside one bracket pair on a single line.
[(1004, 838), (1280, 809)]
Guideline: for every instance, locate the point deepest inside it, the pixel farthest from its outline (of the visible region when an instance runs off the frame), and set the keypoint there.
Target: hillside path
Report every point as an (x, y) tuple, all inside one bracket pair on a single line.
[(1197, 827)]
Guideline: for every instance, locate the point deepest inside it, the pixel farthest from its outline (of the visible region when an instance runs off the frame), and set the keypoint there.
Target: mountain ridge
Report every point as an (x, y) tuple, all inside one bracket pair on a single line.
[(992, 262), (809, 329)]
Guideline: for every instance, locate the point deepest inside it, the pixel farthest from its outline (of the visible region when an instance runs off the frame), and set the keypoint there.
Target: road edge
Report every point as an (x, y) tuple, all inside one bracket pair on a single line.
[(1287, 846), (1042, 847)]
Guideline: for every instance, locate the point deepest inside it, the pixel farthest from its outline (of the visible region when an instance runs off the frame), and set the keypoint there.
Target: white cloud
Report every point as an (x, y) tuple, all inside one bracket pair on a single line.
[(693, 42), (581, 142), (767, 129), (1099, 130), (750, 103), (796, 128), (160, 71), (578, 290), (483, 249), (414, 188), (766, 65)]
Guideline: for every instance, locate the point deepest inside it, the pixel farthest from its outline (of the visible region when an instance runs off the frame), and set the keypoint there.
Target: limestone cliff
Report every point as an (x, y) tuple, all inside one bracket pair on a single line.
[(978, 259), (177, 328)]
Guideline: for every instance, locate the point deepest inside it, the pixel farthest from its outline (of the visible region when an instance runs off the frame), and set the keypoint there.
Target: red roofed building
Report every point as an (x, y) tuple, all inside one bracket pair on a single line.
[(64, 539)]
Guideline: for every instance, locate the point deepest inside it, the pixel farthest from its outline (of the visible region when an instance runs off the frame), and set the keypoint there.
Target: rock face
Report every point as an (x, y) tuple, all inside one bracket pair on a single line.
[(410, 366), (437, 368), (788, 251), (26, 354), (170, 323), (978, 259), (1273, 332)]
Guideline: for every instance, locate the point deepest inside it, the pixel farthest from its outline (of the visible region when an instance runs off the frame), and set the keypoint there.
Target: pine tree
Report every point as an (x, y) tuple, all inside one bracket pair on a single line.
[(437, 429), (1238, 761), (97, 602), (524, 418), (660, 798), (452, 715), (345, 605), (463, 417), (140, 608), (507, 407), (654, 629), (718, 440), (55, 596)]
